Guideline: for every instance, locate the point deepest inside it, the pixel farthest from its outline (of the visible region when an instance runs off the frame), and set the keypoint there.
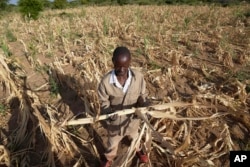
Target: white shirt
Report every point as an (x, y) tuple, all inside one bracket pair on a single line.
[(114, 80)]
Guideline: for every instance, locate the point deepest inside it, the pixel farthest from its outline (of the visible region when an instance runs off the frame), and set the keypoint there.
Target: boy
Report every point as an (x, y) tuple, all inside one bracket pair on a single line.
[(121, 88)]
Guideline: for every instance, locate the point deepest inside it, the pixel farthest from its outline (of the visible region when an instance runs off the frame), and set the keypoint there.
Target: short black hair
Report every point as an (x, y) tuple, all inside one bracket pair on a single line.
[(121, 50)]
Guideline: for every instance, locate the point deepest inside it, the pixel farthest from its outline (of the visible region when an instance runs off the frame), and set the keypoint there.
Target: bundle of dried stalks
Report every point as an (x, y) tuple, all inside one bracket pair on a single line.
[(13, 82), (157, 111), (154, 111)]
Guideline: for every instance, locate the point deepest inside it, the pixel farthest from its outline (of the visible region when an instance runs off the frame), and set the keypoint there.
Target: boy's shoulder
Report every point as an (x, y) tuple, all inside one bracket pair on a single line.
[(136, 72), (106, 77)]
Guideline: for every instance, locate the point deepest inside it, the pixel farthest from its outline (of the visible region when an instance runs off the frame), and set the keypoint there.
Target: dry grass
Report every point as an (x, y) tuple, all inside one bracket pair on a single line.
[(195, 61)]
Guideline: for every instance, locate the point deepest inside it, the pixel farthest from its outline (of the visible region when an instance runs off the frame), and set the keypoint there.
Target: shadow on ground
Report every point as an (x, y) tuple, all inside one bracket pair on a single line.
[(72, 102)]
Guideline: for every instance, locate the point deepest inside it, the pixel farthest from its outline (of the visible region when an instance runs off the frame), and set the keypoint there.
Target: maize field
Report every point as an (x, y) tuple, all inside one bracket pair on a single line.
[(195, 60)]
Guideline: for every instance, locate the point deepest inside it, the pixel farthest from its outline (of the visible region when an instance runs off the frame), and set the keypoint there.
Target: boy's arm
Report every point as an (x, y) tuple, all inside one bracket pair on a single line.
[(142, 99), (104, 99), (105, 102)]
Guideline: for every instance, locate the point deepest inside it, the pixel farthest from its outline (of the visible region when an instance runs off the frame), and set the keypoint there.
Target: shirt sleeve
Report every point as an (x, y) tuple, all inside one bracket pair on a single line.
[(104, 99)]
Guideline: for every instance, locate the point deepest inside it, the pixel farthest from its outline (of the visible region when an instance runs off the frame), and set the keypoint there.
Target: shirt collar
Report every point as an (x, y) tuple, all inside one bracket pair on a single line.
[(113, 80)]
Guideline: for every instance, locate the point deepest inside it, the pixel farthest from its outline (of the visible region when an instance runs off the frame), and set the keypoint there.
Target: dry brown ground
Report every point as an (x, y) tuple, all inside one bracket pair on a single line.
[(50, 69)]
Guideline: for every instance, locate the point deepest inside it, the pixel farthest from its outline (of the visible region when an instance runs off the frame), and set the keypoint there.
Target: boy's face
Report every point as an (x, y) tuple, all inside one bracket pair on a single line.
[(121, 65)]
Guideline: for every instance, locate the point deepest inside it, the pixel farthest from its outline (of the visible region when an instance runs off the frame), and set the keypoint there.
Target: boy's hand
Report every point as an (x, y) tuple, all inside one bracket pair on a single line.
[(140, 102), (113, 117)]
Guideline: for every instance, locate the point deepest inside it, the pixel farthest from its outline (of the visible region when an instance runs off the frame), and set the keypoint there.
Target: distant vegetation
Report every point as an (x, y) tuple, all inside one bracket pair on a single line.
[(32, 8), (3, 4)]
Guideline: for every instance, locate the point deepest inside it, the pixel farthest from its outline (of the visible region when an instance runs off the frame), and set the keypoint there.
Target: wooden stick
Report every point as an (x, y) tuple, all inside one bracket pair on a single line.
[(144, 110)]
